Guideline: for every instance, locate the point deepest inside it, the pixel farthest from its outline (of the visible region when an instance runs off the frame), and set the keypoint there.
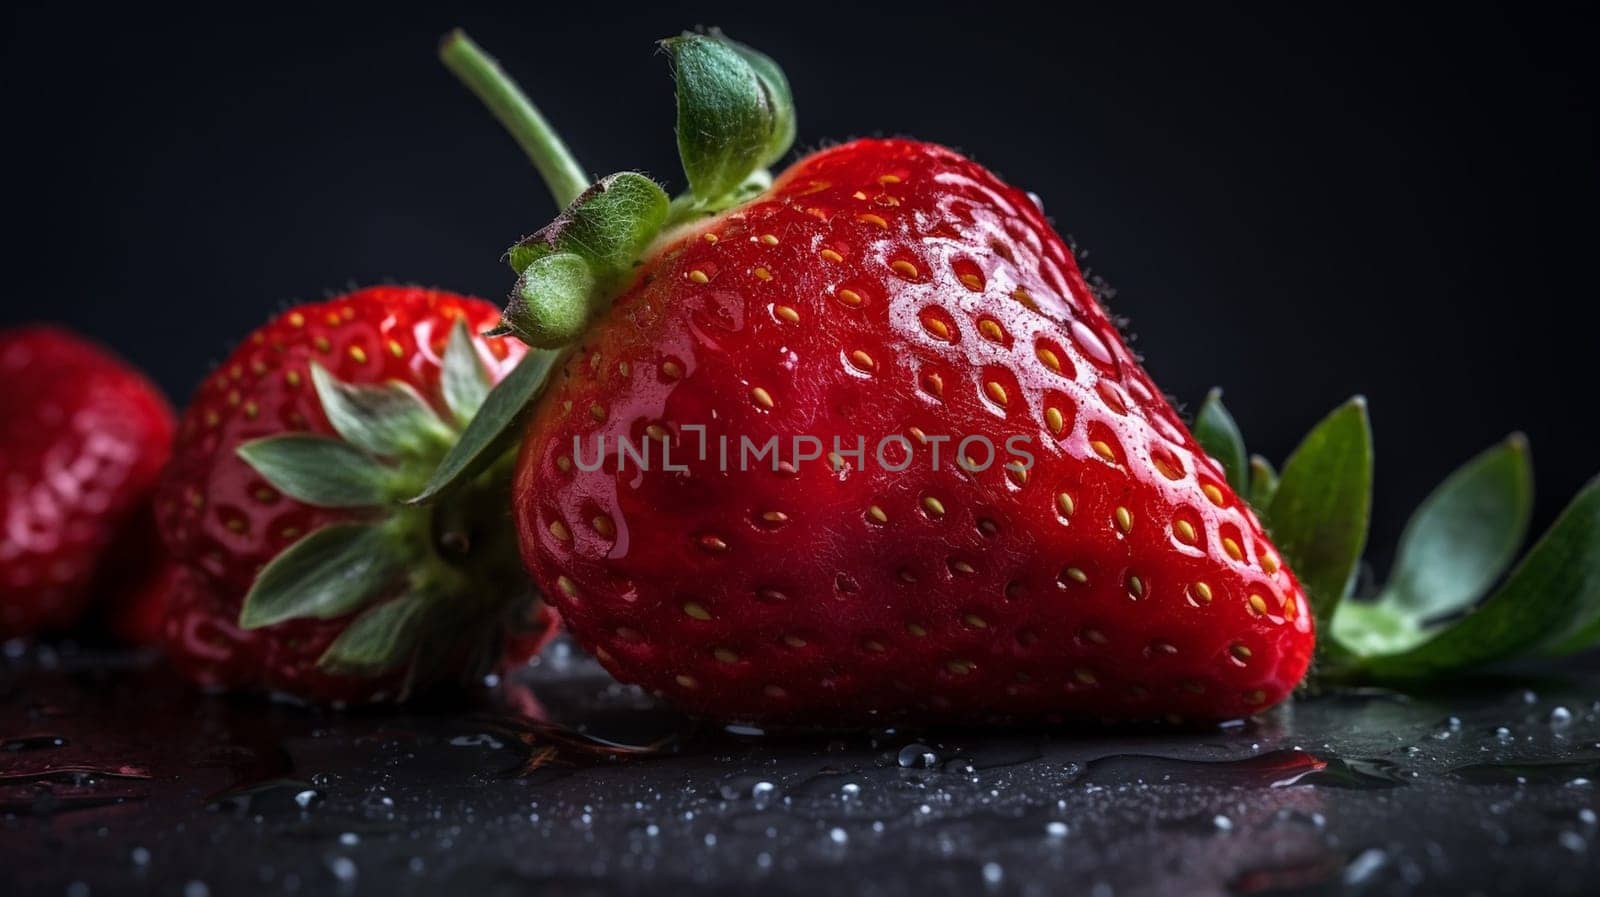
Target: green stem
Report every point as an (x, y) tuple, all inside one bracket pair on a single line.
[(484, 77)]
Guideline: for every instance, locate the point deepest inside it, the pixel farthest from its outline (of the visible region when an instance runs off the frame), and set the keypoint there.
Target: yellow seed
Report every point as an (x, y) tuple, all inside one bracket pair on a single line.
[(887, 179), (1049, 358), (877, 513), (725, 656), (794, 641), (1255, 696), (1185, 531), (916, 630), (1233, 549), (1026, 298), (1095, 636), (359, 354), (1289, 608), (1087, 677), (787, 313), (1054, 420), (1212, 493), (991, 330), (1124, 519), (709, 237), (869, 218), (656, 431), (937, 328), (934, 383), (1258, 604), (933, 506), (971, 282), (775, 517), (251, 410), (961, 567), (763, 274), (671, 370), (1240, 652), (623, 368), (831, 256), (1064, 504), (699, 276), (769, 239), (597, 412), (297, 319), (996, 392), (1017, 473), (774, 691), (322, 344), (1136, 586), (1104, 450), (696, 611), (850, 297), (602, 524), (904, 268), (874, 647), (1076, 575), (959, 667), (713, 543), (236, 525), (265, 495), (332, 319), (761, 397), (292, 378), (212, 419), (685, 680), (1201, 592), (918, 435), (560, 531), (861, 360), (1269, 563), (567, 586), (396, 349), (976, 622), (564, 463)]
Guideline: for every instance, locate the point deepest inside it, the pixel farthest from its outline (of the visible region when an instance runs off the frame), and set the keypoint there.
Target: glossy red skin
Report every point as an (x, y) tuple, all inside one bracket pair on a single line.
[(879, 619), (223, 522), (83, 437)]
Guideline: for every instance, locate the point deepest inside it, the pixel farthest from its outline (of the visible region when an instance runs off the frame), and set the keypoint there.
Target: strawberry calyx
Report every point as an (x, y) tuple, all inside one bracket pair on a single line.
[(1449, 605), (431, 590)]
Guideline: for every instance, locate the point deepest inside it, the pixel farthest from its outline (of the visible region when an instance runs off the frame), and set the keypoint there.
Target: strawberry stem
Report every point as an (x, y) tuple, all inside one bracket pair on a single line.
[(483, 76)]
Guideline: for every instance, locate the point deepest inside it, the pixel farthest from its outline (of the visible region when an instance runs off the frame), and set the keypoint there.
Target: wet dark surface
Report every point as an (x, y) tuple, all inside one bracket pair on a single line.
[(114, 779)]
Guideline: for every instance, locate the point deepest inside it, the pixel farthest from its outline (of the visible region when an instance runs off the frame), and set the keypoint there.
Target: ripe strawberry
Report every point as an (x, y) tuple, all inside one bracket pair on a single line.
[(879, 289), (82, 441), (304, 571)]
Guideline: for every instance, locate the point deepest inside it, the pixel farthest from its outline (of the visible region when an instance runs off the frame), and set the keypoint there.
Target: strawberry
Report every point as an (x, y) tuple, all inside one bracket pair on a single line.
[(303, 570), (82, 440), (1023, 527)]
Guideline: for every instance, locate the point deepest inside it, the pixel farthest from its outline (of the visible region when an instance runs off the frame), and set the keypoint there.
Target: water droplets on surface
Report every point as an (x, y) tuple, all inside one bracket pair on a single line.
[(917, 756)]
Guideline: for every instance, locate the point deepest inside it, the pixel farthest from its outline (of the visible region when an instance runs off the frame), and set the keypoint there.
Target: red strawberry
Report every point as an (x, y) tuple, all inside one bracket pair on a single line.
[(82, 441), (304, 570), (1088, 560)]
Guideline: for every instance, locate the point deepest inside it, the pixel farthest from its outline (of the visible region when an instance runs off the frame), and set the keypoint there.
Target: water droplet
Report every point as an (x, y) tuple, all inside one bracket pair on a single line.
[(850, 789), (838, 835), (1364, 866), (343, 868), (1056, 829), (1560, 718), (140, 856), (917, 756), (349, 839), (1222, 823), (196, 888), (78, 889), (1573, 841), (993, 874)]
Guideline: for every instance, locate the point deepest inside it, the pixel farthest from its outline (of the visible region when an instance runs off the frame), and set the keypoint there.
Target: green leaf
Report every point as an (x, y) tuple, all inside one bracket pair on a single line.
[(735, 112), (380, 640), (552, 302), (494, 429), (462, 377), (1263, 484), (1220, 437), (1319, 513), (320, 471), (388, 420), (1549, 605), (328, 573)]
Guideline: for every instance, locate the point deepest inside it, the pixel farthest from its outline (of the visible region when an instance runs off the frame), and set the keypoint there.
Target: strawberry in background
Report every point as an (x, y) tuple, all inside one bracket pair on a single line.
[(83, 438)]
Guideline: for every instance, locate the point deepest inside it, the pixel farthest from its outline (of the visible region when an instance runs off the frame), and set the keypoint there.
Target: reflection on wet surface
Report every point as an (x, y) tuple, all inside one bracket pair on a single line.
[(115, 778)]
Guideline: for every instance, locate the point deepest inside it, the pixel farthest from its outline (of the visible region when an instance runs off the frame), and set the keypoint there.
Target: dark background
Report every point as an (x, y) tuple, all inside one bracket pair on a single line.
[(1298, 204)]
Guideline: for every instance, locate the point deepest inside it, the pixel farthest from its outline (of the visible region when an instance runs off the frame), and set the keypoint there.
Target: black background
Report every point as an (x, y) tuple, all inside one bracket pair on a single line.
[(1295, 203)]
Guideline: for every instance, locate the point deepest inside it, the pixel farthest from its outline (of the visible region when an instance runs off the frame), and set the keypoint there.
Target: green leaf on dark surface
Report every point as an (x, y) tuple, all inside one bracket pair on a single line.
[(1549, 605), (462, 377), (1214, 427), (380, 640), (388, 420), (494, 429), (328, 573), (735, 112), (1263, 485), (1319, 512), (320, 471)]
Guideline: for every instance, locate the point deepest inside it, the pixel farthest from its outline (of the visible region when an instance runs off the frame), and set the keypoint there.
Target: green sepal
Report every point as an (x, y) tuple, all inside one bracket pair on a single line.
[(388, 420), (1319, 512), (330, 572), (1548, 606), (320, 471), (462, 378), (1214, 427), (380, 640), (1263, 484), (735, 112), (494, 428), (552, 301)]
